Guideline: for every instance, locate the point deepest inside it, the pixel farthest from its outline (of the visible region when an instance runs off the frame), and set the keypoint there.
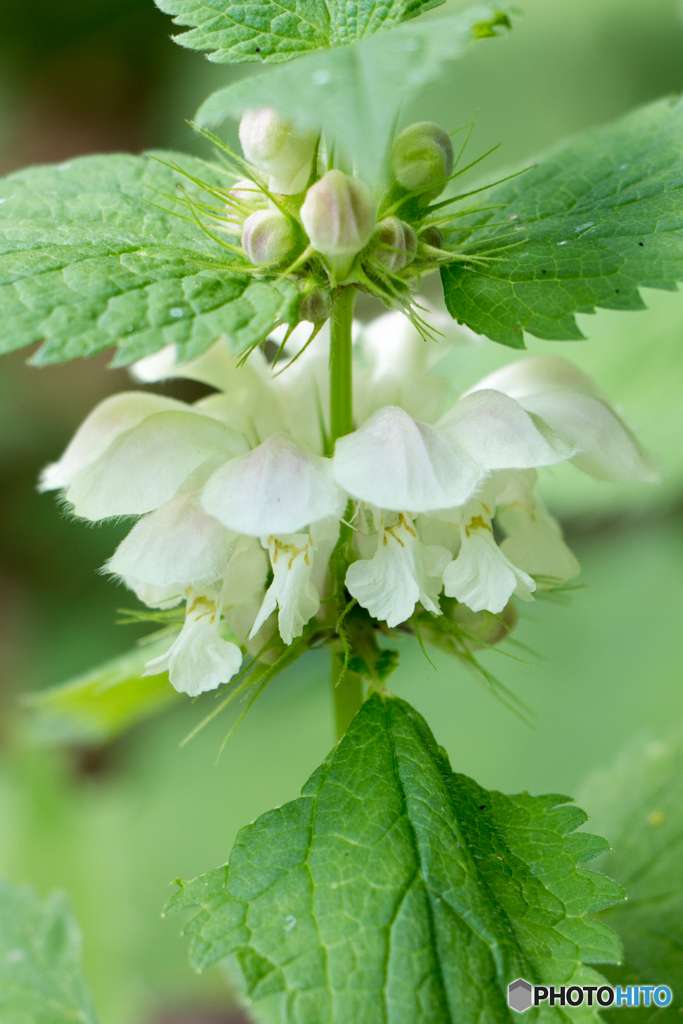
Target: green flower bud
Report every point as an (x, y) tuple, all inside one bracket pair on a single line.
[(396, 244), (339, 215), (315, 306), (281, 154), (421, 158), (432, 236), (267, 237)]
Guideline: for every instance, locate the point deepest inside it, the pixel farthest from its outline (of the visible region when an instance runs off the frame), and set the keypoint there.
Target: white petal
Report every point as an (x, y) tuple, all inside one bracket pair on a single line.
[(145, 466), (499, 434), (607, 448), (215, 367), (199, 659), (109, 419), (396, 463), (276, 488), (402, 572), (178, 543), (539, 374), (324, 536), (244, 584), (535, 543), (292, 590), (254, 413), (482, 577), (155, 597)]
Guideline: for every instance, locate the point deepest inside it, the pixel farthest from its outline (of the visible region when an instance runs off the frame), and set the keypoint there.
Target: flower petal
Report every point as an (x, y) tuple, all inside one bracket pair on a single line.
[(534, 542), (215, 367), (396, 463), (107, 420), (178, 543), (402, 572), (499, 434), (292, 590), (482, 577), (277, 488), (537, 374), (199, 659), (607, 449), (145, 466), (155, 597)]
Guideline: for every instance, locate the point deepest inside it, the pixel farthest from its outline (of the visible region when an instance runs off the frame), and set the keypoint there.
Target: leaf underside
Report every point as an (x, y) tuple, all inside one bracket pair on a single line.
[(87, 261), (592, 222), (639, 801), (106, 701), (353, 94), (236, 31), (41, 975), (397, 891)]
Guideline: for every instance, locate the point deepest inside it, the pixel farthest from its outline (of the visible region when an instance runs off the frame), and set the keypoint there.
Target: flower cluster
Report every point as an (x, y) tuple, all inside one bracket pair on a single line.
[(299, 215), (245, 515)]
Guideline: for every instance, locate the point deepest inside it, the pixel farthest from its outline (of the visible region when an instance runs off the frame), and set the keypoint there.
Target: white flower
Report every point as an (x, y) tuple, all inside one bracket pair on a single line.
[(573, 405), (402, 572), (199, 659), (299, 562), (276, 488), (241, 477), (482, 576)]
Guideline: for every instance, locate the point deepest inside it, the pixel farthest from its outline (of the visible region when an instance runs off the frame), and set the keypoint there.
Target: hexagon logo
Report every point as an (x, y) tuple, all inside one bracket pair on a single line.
[(520, 995)]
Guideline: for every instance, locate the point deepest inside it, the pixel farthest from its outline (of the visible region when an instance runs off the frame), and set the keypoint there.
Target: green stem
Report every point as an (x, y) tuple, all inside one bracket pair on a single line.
[(341, 368), (347, 687), (347, 690)]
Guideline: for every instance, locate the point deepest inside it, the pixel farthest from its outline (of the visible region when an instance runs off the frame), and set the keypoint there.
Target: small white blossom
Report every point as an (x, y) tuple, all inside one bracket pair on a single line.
[(198, 659)]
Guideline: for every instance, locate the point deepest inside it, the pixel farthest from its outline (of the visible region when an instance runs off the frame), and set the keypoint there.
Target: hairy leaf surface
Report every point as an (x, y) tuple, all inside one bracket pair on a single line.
[(87, 262), (102, 703), (395, 890), (638, 803), (41, 973), (236, 31), (594, 220), (354, 93)]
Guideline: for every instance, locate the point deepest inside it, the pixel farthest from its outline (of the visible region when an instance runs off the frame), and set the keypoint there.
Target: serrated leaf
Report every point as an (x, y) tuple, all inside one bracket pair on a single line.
[(354, 93), (638, 802), (395, 890), (595, 220), (41, 973), (87, 262), (101, 704), (235, 31)]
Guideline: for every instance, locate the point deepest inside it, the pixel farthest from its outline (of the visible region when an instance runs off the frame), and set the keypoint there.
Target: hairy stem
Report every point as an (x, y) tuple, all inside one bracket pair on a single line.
[(341, 372), (347, 687)]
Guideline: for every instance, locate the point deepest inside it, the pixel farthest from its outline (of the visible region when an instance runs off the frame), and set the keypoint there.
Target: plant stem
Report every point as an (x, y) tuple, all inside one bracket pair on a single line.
[(347, 689), (341, 368)]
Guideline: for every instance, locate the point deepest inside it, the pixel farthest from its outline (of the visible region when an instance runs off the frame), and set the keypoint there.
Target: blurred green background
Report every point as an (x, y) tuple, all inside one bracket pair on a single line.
[(114, 826)]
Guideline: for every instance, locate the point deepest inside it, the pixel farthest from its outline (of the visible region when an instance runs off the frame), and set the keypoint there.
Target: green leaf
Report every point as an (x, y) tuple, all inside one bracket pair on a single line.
[(395, 890), (87, 261), (236, 31), (41, 973), (638, 802), (595, 220), (103, 703), (354, 93)]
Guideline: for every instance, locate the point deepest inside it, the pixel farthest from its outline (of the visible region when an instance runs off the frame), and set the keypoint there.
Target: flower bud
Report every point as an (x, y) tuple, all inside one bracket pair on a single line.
[(421, 158), (277, 150), (339, 216), (267, 237), (243, 198), (315, 306), (396, 244), (432, 236)]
